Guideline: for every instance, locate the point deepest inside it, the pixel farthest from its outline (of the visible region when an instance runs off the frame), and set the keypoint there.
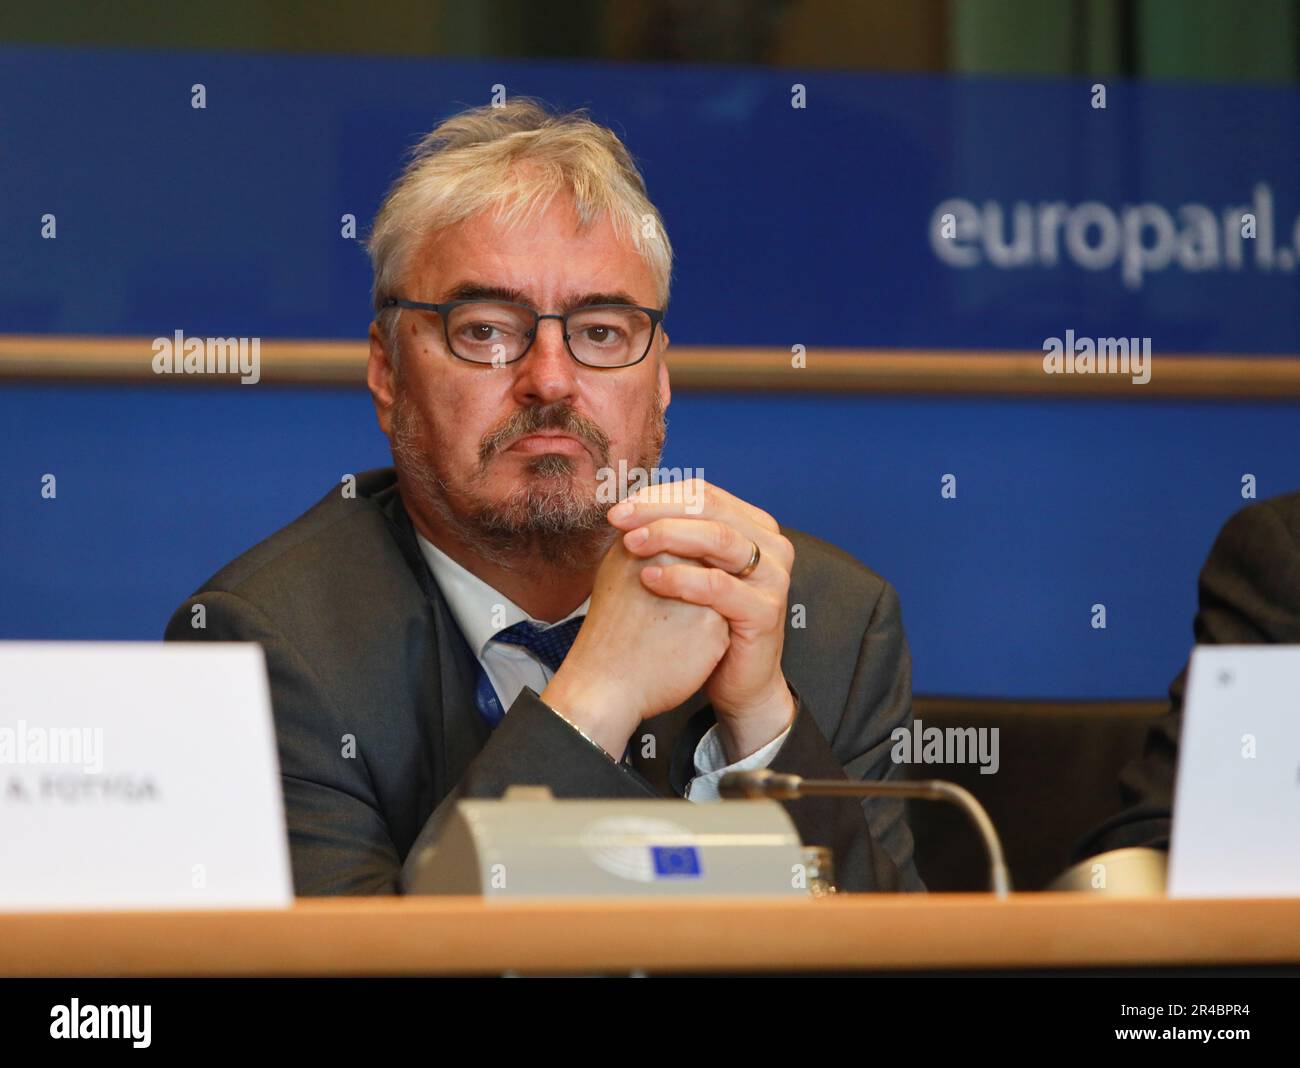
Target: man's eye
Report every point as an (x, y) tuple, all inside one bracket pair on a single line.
[(600, 335)]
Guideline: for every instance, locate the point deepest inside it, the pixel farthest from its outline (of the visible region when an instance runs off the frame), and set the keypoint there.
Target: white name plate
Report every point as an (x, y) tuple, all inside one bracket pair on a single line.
[(1236, 829), (139, 775)]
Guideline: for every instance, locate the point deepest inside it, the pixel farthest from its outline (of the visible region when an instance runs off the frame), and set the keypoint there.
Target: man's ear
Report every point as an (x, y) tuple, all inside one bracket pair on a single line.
[(381, 377), (665, 390)]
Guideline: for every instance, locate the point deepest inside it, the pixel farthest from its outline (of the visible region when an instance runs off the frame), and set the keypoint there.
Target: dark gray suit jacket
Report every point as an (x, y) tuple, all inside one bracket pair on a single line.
[(359, 642), (1249, 594)]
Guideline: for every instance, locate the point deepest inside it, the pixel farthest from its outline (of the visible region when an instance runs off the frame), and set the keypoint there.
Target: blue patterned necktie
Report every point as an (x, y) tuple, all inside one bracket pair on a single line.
[(549, 644)]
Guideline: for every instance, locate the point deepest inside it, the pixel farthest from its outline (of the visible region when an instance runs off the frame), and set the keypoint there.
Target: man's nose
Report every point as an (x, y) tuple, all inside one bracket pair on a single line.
[(547, 373)]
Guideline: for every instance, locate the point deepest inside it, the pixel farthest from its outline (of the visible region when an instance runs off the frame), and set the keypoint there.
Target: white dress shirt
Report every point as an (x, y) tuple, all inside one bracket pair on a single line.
[(481, 612)]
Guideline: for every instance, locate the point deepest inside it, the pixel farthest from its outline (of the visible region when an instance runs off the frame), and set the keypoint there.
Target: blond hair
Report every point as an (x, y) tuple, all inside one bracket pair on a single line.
[(513, 159)]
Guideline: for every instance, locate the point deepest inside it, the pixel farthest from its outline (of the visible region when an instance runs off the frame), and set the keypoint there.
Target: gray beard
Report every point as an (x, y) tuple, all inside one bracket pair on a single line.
[(549, 521)]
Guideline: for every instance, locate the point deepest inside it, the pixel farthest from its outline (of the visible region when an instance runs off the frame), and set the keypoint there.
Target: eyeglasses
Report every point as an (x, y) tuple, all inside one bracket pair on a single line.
[(497, 332)]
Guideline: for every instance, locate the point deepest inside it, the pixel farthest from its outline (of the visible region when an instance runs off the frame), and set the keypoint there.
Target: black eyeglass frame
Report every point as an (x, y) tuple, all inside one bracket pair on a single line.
[(443, 310)]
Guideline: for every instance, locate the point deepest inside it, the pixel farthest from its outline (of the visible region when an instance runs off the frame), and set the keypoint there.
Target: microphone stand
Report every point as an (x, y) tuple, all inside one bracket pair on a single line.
[(769, 784)]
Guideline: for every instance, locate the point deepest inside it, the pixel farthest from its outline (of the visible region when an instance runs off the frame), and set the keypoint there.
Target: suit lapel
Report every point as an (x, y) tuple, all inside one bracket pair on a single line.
[(464, 730), (454, 673)]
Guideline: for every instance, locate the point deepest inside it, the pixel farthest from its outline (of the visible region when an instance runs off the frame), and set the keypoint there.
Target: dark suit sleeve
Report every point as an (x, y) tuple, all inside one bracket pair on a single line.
[(870, 839), (338, 841), (532, 746), (1249, 594)]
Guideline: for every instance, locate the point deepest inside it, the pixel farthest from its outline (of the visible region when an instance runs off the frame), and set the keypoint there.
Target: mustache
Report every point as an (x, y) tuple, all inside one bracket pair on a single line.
[(561, 416)]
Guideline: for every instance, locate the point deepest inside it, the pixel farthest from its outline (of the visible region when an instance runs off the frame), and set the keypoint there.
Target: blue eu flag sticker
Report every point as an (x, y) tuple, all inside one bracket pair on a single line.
[(676, 862)]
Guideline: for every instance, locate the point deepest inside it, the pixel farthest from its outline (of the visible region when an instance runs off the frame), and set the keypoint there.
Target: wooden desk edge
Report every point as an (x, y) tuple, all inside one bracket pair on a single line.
[(462, 936)]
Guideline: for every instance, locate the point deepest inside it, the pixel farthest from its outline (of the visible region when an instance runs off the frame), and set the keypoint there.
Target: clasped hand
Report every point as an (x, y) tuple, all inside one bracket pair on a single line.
[(669, 615)]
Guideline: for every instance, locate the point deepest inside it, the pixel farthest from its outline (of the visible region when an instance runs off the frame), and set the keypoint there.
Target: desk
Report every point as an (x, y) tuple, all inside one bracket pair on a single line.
[(461, 936)]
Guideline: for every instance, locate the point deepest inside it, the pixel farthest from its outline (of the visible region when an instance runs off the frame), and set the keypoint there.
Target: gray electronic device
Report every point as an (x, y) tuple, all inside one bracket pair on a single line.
[(530, 844)]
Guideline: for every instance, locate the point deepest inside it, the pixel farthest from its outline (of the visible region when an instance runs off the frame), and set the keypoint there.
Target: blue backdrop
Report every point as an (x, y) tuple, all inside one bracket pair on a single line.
[(813, 226), (808, 225), (1059, 506)]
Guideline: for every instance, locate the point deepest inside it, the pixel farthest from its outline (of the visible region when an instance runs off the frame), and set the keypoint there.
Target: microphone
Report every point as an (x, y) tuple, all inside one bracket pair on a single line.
[(765, 783)]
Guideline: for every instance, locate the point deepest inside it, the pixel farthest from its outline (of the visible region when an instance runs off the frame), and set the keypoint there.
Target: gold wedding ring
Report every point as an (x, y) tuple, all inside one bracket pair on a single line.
[(748, 569)]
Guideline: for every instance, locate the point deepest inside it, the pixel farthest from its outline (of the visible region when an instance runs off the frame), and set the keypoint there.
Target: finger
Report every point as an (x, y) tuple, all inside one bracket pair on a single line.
[(711, 542), (692, 498), (715, 545), (744, 605)]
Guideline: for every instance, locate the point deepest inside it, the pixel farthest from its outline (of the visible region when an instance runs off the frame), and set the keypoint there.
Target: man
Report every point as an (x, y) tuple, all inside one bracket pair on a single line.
[(1249, 594), (422, 635)]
